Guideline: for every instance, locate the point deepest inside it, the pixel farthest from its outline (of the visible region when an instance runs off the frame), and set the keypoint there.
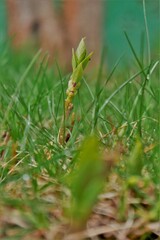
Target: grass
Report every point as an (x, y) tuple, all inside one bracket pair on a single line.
[(105, 178)]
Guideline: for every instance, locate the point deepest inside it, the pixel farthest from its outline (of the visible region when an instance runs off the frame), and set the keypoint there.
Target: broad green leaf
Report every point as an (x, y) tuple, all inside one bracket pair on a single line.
[(86, 180), (135, 162)]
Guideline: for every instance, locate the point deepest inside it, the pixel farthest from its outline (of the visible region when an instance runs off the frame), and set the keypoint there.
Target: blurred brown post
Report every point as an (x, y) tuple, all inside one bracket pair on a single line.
[(31, 21), (37, 21), (83, 18)]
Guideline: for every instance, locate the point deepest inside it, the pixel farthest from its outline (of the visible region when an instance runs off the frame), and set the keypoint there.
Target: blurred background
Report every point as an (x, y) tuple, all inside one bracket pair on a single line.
[(58, 25)]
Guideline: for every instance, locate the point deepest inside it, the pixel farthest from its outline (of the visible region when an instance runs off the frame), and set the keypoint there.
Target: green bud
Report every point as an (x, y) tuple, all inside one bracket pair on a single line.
[(81, 51), (74, 59), (77, 73), (86, 60)]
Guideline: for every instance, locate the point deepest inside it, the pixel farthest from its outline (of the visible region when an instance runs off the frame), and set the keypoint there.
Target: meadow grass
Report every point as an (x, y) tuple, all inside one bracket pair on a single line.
[(45, 185)]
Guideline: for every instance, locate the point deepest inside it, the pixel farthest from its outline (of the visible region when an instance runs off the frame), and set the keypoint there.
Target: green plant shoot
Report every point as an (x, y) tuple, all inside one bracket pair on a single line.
[(80, 59), (86, 181)]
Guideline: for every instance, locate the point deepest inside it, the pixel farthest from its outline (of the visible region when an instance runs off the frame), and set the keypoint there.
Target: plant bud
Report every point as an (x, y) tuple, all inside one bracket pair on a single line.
[(77, 73), (74, 59), (86, 60), (81, 51)]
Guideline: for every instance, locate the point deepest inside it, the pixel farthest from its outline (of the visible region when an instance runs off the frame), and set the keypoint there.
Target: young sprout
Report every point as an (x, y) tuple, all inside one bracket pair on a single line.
[(80, 59)]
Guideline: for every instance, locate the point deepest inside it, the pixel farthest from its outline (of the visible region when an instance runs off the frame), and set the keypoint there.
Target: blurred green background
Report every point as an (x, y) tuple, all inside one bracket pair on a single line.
[(119, 16), (3, 21), (127, 15)]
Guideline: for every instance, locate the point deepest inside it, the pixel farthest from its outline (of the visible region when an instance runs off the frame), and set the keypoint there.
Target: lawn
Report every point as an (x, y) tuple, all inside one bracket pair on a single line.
[(102, 180)]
